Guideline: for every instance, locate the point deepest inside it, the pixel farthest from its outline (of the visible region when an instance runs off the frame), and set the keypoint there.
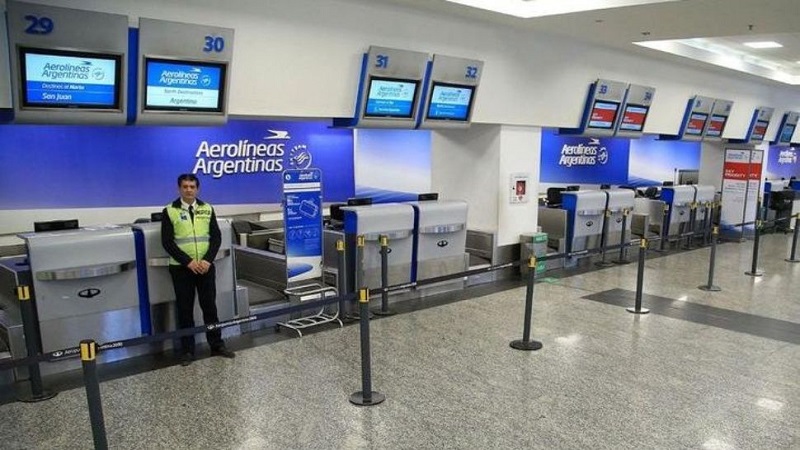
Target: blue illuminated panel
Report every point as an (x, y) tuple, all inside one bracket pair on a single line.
[(65, 79), (389, 97), (184, 86), (787, 133), (450, 102)]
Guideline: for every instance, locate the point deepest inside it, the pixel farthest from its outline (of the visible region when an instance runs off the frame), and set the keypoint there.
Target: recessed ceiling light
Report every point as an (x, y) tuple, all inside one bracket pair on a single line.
[(527, 9), (763, 44)]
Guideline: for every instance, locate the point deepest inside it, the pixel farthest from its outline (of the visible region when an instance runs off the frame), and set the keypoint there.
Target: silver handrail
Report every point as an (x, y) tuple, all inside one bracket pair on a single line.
[(77, 273), (164, 260), (441, 229)]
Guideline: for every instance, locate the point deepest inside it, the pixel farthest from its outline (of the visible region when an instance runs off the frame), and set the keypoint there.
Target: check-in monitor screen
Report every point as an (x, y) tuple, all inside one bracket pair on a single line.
[(759, 130), (450, 102), (633, 118), (697, 121), (69, 79), (184, 86), (390, 97), (716, 125), (787, 133), (603, 115)]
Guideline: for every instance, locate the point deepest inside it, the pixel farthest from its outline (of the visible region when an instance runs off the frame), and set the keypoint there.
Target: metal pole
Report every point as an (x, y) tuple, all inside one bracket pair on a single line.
[(89, 362), (358, 269), (604, 241), (526, 343), (366, 396), (757, 238), (710, 286), (692, 225), (637, 309), (30, 329), (623, 249), (384, 311), (706, 222), (341, 277), (793, 257)]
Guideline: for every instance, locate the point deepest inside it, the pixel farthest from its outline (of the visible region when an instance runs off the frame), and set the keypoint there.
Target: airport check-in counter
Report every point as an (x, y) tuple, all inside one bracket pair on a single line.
[(553, 222), (160, 295), (648, 217), (441, 238), (86, 287), (704, 198), (396, 221), (679, 199), (585, 214), (620, 202), (14, 271)]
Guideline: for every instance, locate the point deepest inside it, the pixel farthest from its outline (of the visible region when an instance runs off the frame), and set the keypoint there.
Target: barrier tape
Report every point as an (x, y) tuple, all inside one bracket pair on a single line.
[(72, 352)]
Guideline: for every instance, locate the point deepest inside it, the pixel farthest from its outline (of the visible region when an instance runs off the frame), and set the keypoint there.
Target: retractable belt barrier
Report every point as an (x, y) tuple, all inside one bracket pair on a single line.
[(68, 353)]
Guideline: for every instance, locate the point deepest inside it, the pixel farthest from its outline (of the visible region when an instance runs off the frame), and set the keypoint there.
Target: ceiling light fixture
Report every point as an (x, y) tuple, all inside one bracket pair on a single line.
[(763, 44), (527, 9)]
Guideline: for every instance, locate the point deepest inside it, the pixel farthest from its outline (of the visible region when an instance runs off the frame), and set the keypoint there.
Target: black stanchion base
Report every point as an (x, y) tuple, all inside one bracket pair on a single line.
[(708, 288), (383, 313), (604, 264), (634, 311), (621, 261), (358, 398), (792, 260), (754, 274), (27, 397), (523, 345)]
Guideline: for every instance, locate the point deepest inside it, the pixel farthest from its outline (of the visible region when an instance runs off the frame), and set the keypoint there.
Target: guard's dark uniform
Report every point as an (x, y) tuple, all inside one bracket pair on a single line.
[(193, 234)]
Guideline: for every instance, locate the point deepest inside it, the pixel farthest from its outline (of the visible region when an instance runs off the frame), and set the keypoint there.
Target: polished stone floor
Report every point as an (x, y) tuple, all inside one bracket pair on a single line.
[(605, 379)]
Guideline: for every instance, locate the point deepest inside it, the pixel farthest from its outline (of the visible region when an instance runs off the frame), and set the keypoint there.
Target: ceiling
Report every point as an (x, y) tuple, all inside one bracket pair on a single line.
[(703, 31)]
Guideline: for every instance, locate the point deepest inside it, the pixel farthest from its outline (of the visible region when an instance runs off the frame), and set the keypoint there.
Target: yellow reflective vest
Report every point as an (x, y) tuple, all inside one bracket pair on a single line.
[(191, 236)]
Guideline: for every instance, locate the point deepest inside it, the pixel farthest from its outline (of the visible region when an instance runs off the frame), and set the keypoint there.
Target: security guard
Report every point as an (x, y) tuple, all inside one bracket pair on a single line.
[(191, 236)]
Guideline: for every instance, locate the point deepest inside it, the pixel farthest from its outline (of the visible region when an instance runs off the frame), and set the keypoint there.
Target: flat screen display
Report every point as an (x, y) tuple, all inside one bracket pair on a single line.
[(450, 102), (697, 121), (787, 133), (633, 118), (716, 125), (759, 130), (603, 115), (69, 79), (391, 97), (184, 86)]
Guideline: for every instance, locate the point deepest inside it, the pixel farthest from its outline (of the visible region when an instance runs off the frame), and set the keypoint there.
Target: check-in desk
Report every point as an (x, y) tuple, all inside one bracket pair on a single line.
[(86, 287), (441, 238), (620, 202), (679, 200), (585, 215), (704, 212), (394, 220), (159, 314), (14, 271)]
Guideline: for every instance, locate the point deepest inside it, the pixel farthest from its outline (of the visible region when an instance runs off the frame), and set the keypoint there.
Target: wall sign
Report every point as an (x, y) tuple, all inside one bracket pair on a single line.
[(302, 218), (568, 159)]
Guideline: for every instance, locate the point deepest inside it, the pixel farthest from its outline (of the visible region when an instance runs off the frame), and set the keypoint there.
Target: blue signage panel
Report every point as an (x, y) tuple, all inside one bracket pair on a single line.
[(96, 167), (183, 85), (64, 79), (782, 162), (569, 159), (302, 217)]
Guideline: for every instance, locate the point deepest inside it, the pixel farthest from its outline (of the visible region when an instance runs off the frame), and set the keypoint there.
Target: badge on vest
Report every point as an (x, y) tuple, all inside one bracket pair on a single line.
[(184, 216)]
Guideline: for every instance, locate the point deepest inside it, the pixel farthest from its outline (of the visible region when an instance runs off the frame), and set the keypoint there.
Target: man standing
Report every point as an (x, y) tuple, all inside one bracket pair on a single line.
[(191, 236)]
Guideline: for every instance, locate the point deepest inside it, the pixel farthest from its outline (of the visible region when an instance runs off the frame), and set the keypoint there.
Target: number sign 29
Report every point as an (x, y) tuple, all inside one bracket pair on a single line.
[(39, 25)]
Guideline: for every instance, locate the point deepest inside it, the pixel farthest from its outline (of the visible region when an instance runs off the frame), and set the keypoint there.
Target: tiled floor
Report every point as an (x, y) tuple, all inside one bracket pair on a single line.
[(605, 378)]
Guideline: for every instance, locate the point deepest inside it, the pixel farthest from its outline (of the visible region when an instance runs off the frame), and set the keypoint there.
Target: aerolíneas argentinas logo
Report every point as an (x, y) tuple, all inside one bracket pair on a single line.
[(589, 154), (788, 156), (247, 157), (72, 72)]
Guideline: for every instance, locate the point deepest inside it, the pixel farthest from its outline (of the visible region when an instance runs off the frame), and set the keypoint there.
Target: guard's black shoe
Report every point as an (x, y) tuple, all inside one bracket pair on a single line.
[(224, 352), (187, 359)]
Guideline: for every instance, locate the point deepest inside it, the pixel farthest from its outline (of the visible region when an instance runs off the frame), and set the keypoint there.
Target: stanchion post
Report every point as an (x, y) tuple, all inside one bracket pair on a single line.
[(688, 245), (793, 257), (366, 396), (637, 309), (710, 286), (604, 240), (623, 249), (89, 361), (341, 276), (756, 240), (357, 276), (526, 343), (384, 311), (707, 227), (31, 331)]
